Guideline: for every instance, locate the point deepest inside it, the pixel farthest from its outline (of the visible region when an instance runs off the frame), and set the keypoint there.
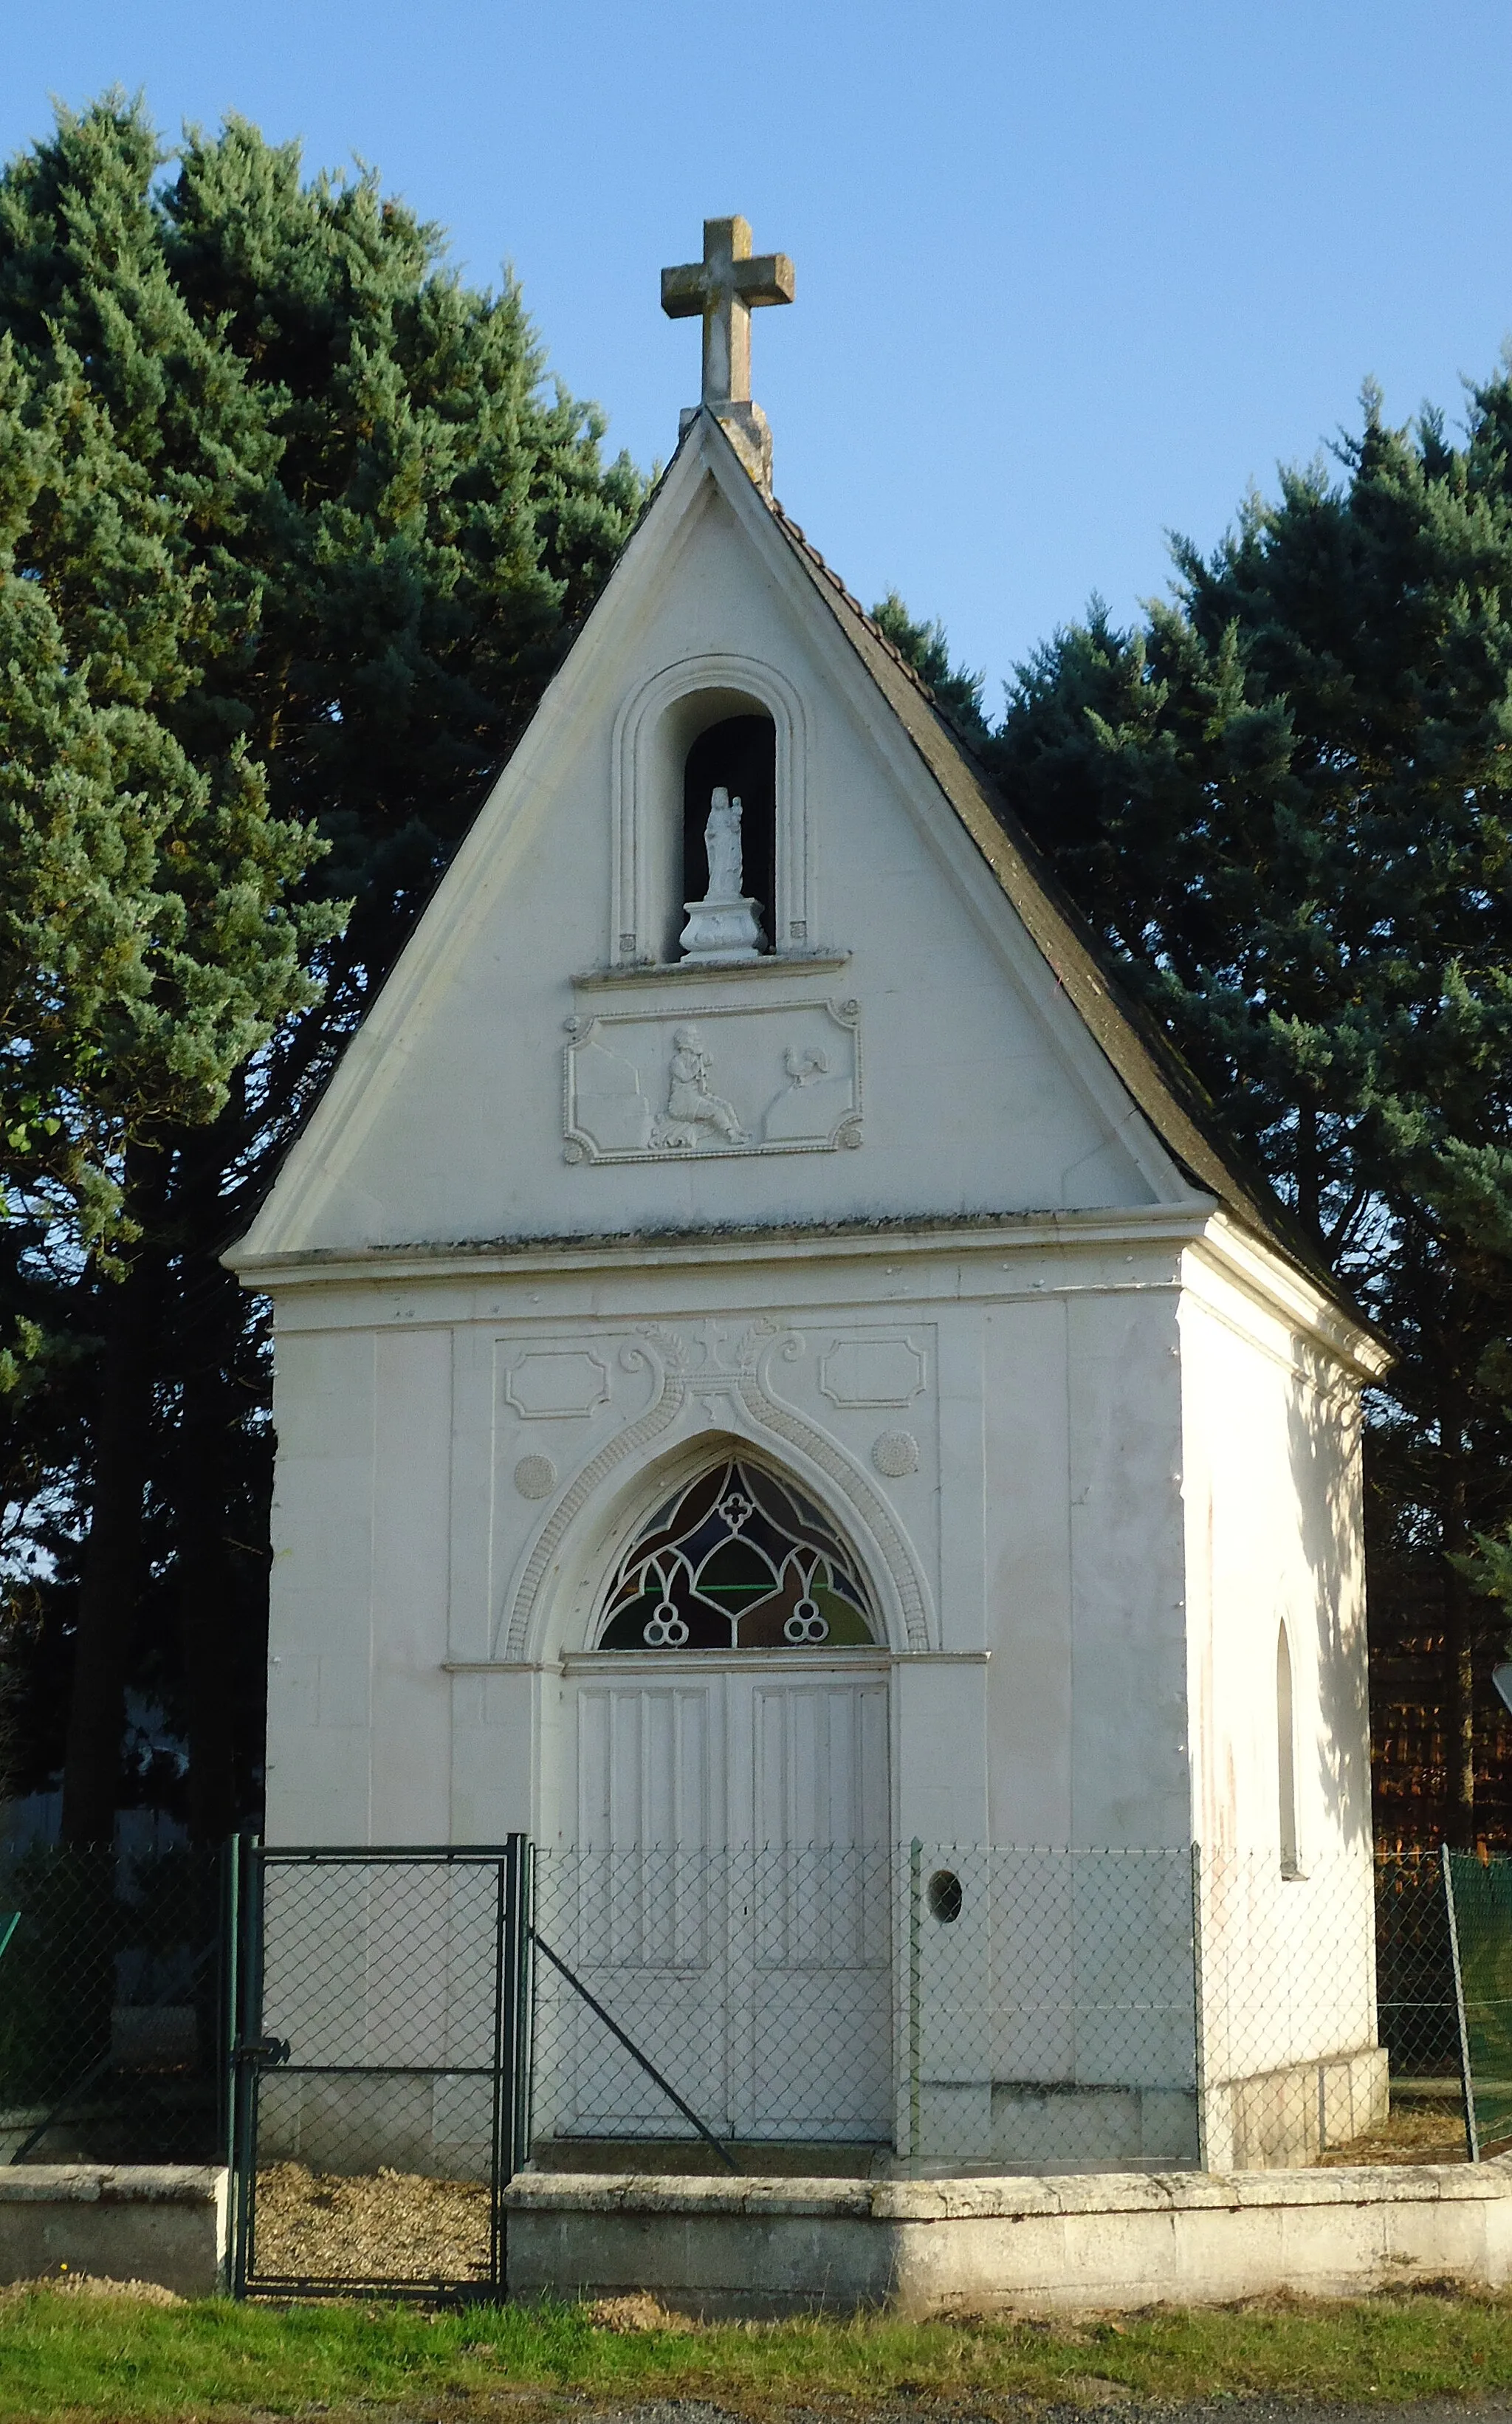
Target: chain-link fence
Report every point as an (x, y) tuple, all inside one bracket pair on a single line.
[(1415, 1977), (112, 2006), (1049, 2008), (1291, 2059), (930, 2007), (1480, 1925), (950, 2006), (985, 2008), (747, 1993)]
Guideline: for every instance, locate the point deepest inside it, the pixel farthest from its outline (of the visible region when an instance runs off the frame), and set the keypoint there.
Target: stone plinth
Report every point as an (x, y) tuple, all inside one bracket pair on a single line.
[(165, 2222), (722, 934), (1011, 2246)]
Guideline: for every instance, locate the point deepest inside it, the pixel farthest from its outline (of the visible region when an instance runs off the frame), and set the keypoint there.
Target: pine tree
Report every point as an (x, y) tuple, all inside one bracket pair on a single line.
[(924, 646), (1285, 803), (376, 527)]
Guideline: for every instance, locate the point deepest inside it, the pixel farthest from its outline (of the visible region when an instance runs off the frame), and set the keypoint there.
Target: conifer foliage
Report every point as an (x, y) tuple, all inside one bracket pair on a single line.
[(1285, 801), (292, 534)]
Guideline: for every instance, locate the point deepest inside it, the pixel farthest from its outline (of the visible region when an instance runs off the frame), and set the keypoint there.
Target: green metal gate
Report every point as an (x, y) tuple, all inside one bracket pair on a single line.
[(380, 2065)]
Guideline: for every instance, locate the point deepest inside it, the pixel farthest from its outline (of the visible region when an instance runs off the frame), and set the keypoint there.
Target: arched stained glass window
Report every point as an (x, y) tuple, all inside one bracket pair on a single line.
[(737, 1560)]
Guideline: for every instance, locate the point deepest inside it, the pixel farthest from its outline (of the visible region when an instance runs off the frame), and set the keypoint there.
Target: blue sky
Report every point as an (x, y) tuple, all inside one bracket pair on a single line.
[(1067, 276)]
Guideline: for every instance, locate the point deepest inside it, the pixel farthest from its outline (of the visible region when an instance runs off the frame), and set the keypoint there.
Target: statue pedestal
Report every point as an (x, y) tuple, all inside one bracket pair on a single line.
[(720, 933)]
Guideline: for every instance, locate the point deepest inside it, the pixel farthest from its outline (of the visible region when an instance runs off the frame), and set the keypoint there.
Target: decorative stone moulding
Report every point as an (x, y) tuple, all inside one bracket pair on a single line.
[(717, 1373), (722, 934), (535, 1477), (871, 1372), (556, 1385), (896, 1453), (737, 1079)]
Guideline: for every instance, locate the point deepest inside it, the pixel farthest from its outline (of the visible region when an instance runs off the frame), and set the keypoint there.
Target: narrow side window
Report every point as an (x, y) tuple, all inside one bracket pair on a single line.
[(1291, 1865)]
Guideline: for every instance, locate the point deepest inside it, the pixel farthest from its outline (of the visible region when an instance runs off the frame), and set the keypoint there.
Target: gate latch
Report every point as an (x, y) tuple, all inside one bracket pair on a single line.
[(267, 2053)]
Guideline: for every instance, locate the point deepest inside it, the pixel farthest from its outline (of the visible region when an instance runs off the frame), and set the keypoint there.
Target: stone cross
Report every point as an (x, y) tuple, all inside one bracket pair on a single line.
[(724, 288)]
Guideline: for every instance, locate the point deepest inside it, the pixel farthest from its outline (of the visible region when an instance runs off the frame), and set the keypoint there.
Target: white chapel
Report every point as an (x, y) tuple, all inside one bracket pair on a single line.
[(776, 1362)]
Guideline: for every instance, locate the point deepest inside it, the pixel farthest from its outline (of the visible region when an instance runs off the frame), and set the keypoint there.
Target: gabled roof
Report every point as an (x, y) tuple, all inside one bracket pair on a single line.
[(1164, 1091), (1176, 1105)]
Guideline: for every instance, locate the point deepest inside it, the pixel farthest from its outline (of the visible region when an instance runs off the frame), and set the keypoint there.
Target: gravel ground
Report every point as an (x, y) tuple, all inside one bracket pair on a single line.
[(1416, 2133), (381, 2226)]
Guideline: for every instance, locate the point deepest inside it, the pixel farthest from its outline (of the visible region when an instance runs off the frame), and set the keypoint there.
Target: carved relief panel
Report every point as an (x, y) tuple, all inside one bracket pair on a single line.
[(767, 1078)]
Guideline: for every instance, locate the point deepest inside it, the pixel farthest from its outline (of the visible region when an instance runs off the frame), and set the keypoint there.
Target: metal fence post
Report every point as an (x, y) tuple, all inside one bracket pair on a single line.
[(1199, 2017), (247, 2013), (511, 2144), (230, 1949), (916, 1871), (1472, 2146), (524, 2001)]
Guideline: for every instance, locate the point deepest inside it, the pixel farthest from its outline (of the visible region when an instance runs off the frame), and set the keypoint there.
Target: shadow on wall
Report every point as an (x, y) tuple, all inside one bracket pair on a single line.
[(1323, 1423)]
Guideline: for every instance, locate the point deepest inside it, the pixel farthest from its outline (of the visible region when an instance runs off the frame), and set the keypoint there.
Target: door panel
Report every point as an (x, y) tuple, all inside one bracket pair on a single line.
[(647, 1766), (820, 2061), (641, 1905), (728, 1903)]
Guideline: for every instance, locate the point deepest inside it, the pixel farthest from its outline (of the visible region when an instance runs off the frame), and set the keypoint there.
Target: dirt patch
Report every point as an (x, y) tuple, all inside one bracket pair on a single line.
[(94, 2285), (1416, 2133), (380, 2226), (638, 2312)]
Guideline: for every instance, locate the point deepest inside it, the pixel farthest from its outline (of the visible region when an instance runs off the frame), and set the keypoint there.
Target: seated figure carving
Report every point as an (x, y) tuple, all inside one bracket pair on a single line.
[(694, 1113)]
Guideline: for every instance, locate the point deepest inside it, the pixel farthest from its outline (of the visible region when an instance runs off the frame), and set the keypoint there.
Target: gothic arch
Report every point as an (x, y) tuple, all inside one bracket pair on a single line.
[(594, 1515), (640, 778)]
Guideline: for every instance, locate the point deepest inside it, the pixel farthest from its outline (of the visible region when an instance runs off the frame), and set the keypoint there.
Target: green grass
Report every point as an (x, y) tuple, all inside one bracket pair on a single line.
[(63, 2356)]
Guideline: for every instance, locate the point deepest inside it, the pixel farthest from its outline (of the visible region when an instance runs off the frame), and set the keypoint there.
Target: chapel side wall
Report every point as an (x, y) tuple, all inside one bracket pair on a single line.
[(359, 1710), (318, 1723), (1087, 1680), (1272, 1469)]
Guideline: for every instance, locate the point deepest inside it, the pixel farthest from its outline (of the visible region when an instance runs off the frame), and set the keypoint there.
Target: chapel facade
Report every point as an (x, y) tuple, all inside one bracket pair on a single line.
[(779, 1376)]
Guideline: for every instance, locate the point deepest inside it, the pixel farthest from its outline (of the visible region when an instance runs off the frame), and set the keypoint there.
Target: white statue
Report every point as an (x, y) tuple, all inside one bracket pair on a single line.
[(721, 840), (724, 927)]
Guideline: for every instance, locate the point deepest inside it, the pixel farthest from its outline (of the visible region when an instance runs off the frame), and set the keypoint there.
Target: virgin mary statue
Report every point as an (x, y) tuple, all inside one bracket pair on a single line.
[(722, 841)]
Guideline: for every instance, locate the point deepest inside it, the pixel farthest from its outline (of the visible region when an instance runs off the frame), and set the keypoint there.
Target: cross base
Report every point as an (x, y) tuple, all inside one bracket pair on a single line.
[(748, 430)]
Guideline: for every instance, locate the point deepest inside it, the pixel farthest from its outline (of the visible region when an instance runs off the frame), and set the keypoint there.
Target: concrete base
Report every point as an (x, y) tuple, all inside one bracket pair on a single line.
[(1273, 2119), (972, 2246), (1019, 2126), (139, 2222), (1282, 2117)]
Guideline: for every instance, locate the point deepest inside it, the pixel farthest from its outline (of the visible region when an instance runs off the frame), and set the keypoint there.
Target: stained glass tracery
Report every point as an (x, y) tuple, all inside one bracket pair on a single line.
[(737, 1560)]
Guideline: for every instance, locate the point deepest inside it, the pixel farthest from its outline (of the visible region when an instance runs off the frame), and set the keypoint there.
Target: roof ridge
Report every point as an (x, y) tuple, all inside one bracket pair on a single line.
[(796, 532)]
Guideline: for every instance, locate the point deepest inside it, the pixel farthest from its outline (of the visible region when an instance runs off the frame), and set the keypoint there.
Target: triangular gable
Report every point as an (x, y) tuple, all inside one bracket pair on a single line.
[(1166, 1090), (1149, 1076)]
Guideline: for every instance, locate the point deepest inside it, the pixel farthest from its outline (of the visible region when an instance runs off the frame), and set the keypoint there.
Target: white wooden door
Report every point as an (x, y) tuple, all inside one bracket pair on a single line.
[(726, 1897)]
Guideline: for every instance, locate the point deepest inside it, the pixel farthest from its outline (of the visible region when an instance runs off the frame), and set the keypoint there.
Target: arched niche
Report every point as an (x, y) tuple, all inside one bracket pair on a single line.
[(654, 868), (739, 754)]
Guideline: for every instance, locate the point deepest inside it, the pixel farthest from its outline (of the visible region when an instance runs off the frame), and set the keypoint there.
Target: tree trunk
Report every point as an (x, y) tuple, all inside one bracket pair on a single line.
[(211, 1489), (1308, 1169), (206, 1596), (113, 1569)]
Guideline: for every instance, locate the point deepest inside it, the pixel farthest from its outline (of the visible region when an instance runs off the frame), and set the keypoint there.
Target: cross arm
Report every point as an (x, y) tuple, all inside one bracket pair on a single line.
[(685, 291), (690, 289), (768, 279)]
